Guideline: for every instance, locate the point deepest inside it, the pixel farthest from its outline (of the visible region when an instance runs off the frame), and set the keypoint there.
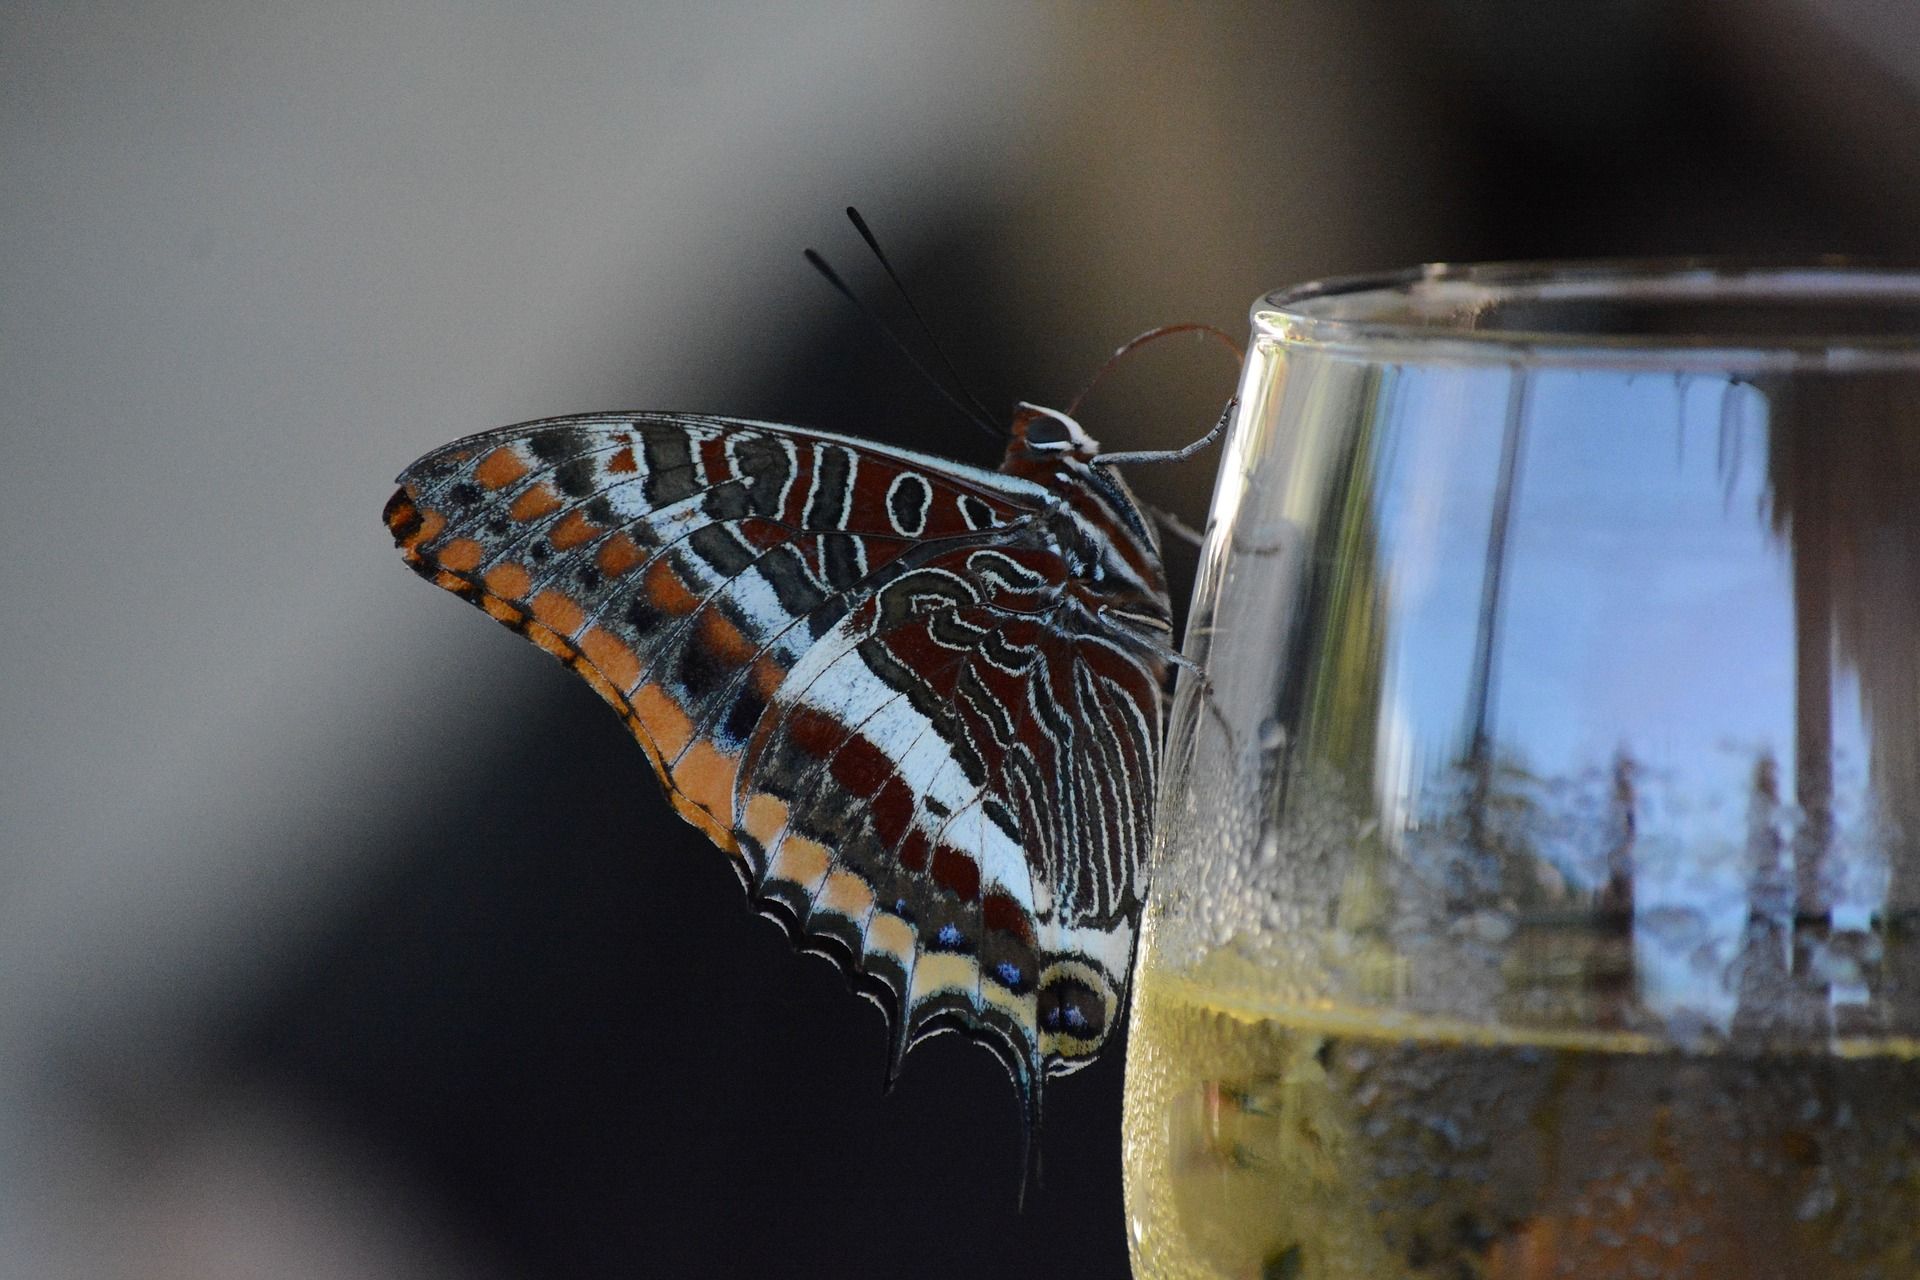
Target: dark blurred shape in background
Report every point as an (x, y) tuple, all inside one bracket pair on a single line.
[(344, 935)]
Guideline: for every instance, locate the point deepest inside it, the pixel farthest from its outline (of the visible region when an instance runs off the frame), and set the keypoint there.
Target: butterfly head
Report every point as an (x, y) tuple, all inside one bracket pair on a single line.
[(1045, 432)]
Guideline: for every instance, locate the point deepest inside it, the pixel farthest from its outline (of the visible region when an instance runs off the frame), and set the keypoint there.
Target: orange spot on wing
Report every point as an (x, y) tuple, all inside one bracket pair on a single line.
[(499, 468), (617, 555), (662, 729), (509, 580), (462, 555), (612, 656), (550, 640), (888, 934), (767, 676), (846, 893), (558, 611), (705, 775), (765, 817), (662, 718), (623, 461), (724, 639), (800, 861), (540, 500), (402, 517), (667, 591), (501, 611), (409, 525), (572, 531)]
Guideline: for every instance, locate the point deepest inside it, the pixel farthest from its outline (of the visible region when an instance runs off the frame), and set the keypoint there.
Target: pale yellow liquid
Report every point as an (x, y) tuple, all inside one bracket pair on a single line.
[(1318, 1144)]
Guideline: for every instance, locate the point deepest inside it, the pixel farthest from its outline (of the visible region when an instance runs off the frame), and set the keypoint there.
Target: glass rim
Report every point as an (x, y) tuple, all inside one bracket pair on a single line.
[(1331, 314)]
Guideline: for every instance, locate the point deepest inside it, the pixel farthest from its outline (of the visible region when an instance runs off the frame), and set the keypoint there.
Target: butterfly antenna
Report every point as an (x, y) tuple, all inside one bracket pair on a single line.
[(873, 243), (972, 412)]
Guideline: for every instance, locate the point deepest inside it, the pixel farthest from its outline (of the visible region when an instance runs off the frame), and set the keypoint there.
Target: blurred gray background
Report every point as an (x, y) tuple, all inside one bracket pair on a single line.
[(341, 934)]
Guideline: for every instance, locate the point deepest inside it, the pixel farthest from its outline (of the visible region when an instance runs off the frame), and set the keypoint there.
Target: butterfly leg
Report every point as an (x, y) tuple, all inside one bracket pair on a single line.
[(1172, 455), (1174, 658), (1212, 703), (1174, 525)]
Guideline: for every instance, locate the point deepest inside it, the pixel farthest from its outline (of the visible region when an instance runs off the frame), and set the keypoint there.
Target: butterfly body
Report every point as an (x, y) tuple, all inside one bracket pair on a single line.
[(918, 703)]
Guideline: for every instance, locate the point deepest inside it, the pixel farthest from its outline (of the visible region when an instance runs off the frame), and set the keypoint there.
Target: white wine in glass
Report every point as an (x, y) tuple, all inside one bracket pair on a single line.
[(1538, 885)]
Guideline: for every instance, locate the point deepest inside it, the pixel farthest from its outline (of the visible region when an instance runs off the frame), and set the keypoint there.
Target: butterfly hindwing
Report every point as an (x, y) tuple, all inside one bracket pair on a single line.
[(869, 750)]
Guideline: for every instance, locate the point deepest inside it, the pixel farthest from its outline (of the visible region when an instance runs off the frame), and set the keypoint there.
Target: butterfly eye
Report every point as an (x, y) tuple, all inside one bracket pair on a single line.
[(1044, 432), (1050, 431)]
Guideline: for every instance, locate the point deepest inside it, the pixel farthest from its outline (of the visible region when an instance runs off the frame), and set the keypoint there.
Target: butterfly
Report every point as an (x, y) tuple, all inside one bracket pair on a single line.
[(917, 703)]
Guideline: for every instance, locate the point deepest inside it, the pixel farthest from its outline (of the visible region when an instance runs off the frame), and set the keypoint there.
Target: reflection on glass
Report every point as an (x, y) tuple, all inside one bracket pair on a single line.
[(1538, 891)]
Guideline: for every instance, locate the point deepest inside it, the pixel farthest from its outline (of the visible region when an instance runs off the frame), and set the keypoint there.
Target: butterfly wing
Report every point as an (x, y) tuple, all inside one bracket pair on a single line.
[(846, 665), (954, 786)]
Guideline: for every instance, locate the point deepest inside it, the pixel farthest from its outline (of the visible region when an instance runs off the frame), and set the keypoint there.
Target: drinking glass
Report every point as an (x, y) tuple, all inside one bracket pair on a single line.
[(1537, 890)]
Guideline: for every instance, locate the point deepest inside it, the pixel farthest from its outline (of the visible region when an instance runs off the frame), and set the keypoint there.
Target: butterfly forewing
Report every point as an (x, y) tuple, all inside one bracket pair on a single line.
[(869, 675)]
